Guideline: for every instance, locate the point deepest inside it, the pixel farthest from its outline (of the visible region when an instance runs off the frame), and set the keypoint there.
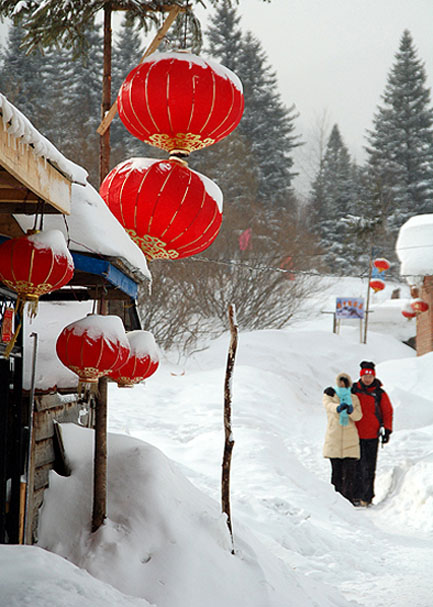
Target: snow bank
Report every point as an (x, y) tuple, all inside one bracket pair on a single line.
[(163, 540), (414, 248)]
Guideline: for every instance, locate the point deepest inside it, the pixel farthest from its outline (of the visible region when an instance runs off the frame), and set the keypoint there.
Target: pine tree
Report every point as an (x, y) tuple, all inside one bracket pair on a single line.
[(20, 75), (267, 126), (400, 152), (333, 198)]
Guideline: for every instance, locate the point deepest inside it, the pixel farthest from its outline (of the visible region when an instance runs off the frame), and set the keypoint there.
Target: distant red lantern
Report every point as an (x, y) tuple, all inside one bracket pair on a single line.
[(93, 347), (419, 305), (168, 210), (381, 264), (377, 284), (142, 362), (180, 102), (35, 264), (408, 312)]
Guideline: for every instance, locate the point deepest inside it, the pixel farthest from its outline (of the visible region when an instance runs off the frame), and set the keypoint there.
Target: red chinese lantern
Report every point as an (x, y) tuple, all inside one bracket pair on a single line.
[(93, 346), (408, 312), (377, 284), (180, 102), (35, 264), (419, 305), (142, 361), (169, 210), (381, 264)]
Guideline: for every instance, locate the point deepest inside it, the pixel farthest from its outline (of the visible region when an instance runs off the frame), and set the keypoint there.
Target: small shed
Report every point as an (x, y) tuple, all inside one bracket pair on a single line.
[(414, 249), (40, 187)]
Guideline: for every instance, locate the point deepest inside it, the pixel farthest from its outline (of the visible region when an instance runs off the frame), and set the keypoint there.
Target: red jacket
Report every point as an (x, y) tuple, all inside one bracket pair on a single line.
[(369, 425)]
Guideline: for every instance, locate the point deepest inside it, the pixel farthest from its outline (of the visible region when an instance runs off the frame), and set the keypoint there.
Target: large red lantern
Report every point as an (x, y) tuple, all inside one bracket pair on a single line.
[(35, 264), (419, 305), (142, 362), (381, 264), (169, 210), (377, 284), (93, 346), (180, 102)]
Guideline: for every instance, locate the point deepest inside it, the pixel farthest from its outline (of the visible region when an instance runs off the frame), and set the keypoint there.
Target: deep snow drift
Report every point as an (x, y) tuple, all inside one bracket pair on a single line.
[(297, 542)]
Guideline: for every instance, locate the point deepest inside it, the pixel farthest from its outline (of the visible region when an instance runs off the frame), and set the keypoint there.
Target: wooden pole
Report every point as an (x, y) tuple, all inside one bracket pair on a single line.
[(229, 440), (99, 513), (104, 140), (367, 307), (109, 113)]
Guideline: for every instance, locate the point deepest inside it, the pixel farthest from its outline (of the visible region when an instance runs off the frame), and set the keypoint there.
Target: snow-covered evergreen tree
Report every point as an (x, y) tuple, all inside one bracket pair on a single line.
[(267, 126), (400, 151), (333, 197), (20, 75)]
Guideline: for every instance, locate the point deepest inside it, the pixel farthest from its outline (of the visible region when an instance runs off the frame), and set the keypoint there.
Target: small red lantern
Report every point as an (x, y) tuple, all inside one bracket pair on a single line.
[(377, 284), (419, 305), (142, 361), (381, 264), (168, 210), (180, 102), (93, 346), (408, 312), (35, 264)]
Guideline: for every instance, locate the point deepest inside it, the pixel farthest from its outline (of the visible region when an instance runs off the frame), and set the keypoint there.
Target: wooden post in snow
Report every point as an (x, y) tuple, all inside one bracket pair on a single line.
[(99, 511), (229, 440)]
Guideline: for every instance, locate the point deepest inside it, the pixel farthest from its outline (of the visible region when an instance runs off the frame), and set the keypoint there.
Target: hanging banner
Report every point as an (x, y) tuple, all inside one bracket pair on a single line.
[(349, 307), (7, 328)]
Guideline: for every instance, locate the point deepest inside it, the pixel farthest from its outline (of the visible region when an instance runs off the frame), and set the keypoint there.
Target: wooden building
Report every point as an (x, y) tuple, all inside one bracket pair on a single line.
[(38, 185)]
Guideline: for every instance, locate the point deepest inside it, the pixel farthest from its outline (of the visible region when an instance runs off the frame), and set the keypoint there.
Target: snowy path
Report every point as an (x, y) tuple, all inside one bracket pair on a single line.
[(280, 481)]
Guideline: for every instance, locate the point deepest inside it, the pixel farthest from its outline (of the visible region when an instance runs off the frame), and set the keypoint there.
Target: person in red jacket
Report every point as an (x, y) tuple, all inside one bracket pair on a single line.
[(376, 422)]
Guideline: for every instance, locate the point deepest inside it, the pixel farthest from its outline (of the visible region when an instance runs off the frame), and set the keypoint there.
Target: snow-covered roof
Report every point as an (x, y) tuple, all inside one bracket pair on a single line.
[(20, 127), (414, 248), (92, 228)]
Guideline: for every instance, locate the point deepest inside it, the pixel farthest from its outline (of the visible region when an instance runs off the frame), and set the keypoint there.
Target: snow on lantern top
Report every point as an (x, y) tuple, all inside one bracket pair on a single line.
[(414, 248), (180, 102)]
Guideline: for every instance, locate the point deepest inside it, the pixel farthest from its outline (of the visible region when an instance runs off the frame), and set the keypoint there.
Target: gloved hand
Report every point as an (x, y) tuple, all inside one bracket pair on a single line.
[(386, 435), (342, 407), (329, 391), (350, 409)]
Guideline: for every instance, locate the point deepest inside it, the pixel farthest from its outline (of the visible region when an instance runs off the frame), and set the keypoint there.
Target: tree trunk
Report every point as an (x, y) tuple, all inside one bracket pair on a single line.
[(229, 441), (104, 146)]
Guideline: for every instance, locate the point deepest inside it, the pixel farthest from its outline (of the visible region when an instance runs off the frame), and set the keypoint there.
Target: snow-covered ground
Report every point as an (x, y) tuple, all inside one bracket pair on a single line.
[(297, 543)]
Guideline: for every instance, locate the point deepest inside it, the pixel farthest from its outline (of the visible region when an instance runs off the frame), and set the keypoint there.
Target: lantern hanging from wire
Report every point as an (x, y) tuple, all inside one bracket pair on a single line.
[(93, 347), (33, 265), (167, 209), (377, 284), (142, 362), (381, 264), (180, 102), (408, 312), (419, 305)]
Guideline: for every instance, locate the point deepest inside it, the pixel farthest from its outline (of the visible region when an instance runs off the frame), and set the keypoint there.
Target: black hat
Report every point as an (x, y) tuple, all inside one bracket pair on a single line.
[(365, 364)]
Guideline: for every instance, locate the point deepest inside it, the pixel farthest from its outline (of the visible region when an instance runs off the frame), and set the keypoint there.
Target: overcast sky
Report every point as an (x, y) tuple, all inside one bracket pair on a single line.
[(333, 56)]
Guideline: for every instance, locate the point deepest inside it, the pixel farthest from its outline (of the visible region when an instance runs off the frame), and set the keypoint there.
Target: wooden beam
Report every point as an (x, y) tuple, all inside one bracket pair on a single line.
[(34, 172), (108, 118)]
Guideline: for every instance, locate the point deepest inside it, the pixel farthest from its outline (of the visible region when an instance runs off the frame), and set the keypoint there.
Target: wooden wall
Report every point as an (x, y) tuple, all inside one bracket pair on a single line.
[(49, 408), (424, 321)]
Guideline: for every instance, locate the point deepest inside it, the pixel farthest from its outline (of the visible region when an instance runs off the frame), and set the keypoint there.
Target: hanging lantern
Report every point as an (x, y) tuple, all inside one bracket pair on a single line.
[(419, 305), (93, 347), (142, 361), (180, 102), (35, 264), (381, 264), (167, 209), (377, 284), (408, 311)]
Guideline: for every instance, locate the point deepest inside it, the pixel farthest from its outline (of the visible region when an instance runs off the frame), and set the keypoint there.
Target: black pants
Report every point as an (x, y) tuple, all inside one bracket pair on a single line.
[(366, 469), (343, 475)]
